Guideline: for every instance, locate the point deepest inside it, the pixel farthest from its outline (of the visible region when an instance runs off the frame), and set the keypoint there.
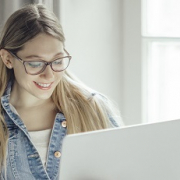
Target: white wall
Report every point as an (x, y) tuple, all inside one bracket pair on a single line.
[(93, 30), (132, 62), (104, 37)]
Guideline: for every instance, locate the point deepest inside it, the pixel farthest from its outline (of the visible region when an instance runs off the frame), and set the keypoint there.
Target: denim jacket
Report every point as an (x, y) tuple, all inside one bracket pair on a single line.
[(23, 159)]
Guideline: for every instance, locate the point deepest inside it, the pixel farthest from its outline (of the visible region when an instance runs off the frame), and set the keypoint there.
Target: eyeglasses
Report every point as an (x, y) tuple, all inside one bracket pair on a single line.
[(37, 67)]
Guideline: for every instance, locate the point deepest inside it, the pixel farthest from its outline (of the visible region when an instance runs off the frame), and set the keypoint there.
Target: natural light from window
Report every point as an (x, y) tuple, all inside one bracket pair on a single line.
[(163, 81), (161, 59), (161, 18)]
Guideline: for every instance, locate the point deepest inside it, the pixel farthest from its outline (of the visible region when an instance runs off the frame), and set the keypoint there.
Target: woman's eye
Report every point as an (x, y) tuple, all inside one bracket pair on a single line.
[(58, 62), (35, 64)]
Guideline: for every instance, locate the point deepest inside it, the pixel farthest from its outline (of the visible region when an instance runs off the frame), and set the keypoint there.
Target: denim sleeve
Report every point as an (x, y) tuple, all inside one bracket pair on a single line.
[(113, 122), (2, 178)]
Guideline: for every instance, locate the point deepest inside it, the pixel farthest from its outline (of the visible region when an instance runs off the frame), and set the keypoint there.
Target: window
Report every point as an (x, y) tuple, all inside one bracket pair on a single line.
[(161, 59)]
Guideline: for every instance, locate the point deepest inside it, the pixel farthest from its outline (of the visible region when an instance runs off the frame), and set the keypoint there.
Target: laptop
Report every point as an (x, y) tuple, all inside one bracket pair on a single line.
[(139, 152)]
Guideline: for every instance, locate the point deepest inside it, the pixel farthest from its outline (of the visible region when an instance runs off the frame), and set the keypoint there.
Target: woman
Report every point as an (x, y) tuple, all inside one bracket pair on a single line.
[(40, 101)]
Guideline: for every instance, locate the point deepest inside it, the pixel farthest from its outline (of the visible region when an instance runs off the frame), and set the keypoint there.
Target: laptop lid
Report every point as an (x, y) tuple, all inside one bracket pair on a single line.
[(141, 152)]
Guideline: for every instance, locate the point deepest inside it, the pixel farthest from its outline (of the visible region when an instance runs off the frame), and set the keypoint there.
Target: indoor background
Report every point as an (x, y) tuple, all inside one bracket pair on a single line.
[(126, 49)]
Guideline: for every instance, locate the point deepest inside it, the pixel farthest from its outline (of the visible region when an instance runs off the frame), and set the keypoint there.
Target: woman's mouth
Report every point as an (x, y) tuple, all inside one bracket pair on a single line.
[(44, 86)]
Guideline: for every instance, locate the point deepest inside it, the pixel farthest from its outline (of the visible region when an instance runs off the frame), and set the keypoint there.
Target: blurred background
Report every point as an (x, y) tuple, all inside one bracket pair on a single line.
[(126, 49)]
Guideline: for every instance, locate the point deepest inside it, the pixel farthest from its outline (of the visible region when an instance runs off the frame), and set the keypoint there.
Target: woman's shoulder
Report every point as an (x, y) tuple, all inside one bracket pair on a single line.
[(111, 108)]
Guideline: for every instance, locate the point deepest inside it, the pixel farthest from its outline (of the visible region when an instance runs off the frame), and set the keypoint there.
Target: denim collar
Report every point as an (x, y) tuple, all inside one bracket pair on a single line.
[(11, 118)]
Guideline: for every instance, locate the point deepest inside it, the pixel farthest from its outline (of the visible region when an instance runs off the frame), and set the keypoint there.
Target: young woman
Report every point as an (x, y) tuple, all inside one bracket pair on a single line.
[(40, 101)]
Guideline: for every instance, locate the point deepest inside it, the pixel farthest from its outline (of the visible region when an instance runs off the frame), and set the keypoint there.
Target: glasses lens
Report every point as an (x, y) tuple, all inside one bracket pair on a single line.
[(60, 64), (33, 67)]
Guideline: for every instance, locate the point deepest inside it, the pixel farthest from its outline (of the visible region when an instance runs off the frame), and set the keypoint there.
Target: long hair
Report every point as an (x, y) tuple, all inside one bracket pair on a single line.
[(84, 109)]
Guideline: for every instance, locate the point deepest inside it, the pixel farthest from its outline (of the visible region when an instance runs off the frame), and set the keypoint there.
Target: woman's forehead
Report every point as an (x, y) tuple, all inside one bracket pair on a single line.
[(42, 44)]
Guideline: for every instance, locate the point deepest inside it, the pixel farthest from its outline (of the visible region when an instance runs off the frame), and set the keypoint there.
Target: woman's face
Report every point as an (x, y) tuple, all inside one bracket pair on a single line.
[(42, 47)]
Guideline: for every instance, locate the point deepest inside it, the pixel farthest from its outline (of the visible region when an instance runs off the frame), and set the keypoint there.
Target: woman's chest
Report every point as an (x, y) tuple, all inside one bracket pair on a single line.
[(24, 159)]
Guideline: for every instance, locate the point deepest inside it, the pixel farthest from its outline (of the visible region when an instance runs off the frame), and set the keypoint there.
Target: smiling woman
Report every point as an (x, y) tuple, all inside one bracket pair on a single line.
[(41, 101)]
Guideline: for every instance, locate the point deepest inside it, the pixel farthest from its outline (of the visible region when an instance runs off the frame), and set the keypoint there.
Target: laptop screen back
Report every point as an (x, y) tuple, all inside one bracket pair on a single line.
[(143, 152)]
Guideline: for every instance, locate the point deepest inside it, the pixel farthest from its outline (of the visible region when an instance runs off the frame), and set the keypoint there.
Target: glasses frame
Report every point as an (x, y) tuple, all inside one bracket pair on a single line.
[(45, 62)]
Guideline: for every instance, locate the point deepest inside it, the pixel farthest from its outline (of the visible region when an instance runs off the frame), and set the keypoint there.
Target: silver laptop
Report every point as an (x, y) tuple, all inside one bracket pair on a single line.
[(142, 152)]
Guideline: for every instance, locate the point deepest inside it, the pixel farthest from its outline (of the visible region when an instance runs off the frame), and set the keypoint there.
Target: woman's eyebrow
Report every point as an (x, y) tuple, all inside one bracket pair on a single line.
[(60, 53), (33, 56), (36, 56)]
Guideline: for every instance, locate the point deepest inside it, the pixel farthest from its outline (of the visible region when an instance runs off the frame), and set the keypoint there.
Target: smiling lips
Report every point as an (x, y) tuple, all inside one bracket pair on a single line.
[(44, 86)]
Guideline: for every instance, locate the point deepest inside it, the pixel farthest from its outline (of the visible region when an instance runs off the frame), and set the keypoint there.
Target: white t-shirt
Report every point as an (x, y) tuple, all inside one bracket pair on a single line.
[(41, 141)]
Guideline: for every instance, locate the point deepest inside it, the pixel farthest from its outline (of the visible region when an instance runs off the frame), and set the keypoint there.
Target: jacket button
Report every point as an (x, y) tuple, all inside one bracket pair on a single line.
[(64, 124), (5, 104), (57, 154)]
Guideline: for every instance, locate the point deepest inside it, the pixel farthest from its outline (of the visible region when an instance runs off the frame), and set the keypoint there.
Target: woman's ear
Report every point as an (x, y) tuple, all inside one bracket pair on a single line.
[(6, 58)]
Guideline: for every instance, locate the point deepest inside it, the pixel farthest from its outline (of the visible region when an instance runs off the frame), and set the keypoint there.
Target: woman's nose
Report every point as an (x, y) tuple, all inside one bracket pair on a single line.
[(48, 73)]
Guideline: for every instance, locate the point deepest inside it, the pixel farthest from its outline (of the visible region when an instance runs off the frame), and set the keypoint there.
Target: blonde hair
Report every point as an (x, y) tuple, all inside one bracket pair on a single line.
[(84, 109)]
